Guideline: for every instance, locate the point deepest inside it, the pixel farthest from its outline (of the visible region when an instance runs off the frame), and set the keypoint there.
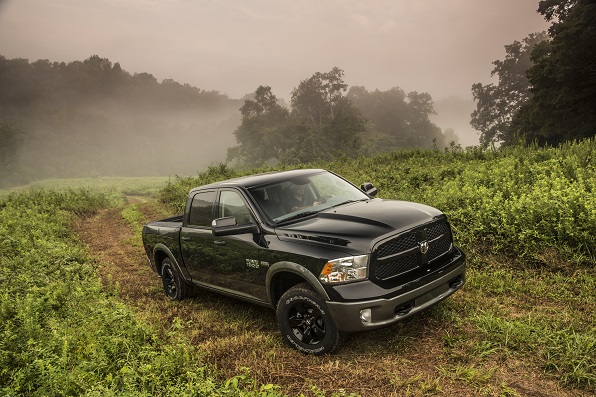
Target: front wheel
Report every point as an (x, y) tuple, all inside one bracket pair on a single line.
[(305, 322), (174, 286)]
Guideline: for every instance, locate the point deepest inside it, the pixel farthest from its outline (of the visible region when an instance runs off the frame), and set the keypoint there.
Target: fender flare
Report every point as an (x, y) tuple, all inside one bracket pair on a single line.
[(295, 268), (160, 247)]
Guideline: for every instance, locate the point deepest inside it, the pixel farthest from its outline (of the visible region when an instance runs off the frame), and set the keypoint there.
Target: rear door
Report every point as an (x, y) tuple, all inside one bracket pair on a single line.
[(197, 243)]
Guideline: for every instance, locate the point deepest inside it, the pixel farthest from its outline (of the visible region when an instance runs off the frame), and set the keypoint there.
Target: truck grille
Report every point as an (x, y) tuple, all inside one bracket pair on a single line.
[(414, 249)]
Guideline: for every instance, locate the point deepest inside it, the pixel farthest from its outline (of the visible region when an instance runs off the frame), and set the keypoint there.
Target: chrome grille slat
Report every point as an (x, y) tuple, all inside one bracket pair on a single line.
[(437, 230), (439, 248)]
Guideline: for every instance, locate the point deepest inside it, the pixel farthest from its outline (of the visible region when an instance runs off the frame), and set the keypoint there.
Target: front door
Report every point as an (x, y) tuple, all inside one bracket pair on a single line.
[(238, 267)]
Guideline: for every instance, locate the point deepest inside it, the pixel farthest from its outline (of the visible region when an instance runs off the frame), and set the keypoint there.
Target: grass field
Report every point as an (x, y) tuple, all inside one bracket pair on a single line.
[(117, 186), (82, 314)]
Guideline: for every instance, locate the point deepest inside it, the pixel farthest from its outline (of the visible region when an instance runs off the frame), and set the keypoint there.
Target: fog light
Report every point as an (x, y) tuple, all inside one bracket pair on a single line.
[(365, 315)]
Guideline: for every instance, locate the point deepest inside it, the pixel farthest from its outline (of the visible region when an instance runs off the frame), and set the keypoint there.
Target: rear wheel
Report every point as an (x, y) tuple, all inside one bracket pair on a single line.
[(173, 284), (305, 322)]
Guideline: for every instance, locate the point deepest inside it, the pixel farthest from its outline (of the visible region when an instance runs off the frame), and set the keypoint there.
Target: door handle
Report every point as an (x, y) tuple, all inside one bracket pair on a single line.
[(219, 242), (185, 238)]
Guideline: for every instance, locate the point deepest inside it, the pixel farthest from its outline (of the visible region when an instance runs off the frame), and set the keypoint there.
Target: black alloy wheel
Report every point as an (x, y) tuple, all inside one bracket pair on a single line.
[(174, 286), (305, 322)]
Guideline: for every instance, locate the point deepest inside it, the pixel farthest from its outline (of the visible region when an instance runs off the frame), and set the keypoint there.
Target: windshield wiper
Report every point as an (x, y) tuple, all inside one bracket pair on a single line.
[(346, 202), (298, 216)]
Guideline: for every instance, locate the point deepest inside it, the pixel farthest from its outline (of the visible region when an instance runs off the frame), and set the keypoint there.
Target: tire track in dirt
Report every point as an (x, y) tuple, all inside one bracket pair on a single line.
[(119, 261), (407, 359)]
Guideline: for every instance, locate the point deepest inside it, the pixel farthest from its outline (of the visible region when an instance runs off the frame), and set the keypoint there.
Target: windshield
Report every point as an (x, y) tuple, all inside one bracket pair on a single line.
[(305, 196)]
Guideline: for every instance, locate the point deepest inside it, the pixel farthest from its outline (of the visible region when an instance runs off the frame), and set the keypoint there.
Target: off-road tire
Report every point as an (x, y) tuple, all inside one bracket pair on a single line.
[(173, 284), (305, 322)]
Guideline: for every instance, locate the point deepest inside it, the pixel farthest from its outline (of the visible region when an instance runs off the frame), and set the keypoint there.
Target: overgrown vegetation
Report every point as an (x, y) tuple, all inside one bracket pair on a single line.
[(114, 187), (526, 217), (517, 201), (63, 334)]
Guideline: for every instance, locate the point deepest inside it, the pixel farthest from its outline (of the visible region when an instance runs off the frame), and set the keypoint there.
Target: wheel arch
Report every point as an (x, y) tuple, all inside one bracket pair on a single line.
[(160, 253), (284, 275)]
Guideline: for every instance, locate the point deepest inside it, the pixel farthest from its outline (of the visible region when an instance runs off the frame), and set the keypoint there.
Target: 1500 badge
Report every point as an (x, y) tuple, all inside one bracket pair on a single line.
[(255, 264)]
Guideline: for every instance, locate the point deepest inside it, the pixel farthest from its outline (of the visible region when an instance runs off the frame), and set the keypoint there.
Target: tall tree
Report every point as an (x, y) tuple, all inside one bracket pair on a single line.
[(563, 78), (11, 140), (316, 97), (423, 133), (324, 121), (396, 119), (498, 103), (261, 135)]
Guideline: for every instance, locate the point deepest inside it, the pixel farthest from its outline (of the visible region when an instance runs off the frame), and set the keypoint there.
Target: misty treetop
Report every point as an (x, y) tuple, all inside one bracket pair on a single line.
[(547, 83), (327, 120), (85, 82), (498, 103), (92, 118), (398, 120)]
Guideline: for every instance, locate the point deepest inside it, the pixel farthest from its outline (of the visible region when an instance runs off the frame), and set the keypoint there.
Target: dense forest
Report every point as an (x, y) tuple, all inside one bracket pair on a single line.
[(546, 90), (87, 118), (90, 117)]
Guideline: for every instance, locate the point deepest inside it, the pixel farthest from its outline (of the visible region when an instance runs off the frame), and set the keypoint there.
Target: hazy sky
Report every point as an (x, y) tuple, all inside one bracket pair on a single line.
[(233, 46)]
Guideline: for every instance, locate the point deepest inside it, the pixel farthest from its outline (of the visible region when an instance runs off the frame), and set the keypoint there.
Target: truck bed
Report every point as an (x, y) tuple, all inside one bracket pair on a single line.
[(174, 221)]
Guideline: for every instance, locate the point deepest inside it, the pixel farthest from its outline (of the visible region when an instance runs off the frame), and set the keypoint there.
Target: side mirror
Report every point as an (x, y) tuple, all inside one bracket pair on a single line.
[(369, 189), (228, 226)]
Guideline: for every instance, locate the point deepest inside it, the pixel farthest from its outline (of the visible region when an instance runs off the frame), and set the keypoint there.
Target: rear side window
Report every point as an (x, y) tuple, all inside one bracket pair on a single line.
[(201, 209)]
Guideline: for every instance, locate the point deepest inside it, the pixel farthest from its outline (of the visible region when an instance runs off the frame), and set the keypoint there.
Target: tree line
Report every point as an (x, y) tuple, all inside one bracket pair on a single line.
[(546, 90), (91, 117), (326, 120)]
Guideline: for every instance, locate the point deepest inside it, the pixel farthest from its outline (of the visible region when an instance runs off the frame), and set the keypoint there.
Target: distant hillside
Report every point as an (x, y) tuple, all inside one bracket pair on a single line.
[(90, 117)]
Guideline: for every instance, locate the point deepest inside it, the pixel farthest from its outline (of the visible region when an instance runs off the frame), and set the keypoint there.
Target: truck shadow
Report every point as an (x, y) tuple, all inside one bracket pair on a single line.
[(213, 316), (233, 335)]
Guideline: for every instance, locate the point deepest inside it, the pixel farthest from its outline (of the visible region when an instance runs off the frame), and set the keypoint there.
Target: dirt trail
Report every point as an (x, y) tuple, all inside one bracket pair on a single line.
[(409, 359)]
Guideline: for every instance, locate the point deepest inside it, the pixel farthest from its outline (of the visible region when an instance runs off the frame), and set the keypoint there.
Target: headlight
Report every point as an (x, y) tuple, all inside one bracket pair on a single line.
[(353, 268)]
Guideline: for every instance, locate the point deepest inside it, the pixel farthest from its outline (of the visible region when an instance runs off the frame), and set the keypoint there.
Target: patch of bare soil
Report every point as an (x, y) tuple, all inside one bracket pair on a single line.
[(409, 359)]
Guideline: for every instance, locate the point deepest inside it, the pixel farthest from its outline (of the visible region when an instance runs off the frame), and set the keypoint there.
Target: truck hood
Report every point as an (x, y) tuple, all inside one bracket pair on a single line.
[(360, 225)]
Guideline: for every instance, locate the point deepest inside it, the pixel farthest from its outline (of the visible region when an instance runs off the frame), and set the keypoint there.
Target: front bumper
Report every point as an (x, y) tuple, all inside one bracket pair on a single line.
[(386, 311)]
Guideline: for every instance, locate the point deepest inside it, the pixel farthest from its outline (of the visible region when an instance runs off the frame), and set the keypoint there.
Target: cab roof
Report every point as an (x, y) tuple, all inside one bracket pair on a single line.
[(267, 178)]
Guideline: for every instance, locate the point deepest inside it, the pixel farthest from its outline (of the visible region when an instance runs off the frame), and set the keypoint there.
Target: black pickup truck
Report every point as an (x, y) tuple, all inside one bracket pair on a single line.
[(327, 256)]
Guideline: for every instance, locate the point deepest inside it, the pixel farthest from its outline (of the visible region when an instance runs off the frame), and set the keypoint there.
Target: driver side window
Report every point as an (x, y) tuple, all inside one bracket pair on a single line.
[(231, 203)]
